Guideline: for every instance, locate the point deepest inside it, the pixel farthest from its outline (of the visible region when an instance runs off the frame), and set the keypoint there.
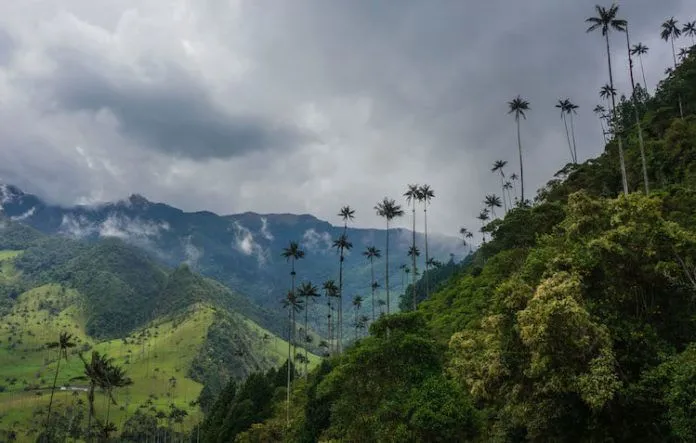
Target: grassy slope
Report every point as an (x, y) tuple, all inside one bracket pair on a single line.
[(151, 356)]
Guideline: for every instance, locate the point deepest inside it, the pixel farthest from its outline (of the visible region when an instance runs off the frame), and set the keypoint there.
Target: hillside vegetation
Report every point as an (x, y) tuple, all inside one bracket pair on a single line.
[(574, 321), (173, 332)]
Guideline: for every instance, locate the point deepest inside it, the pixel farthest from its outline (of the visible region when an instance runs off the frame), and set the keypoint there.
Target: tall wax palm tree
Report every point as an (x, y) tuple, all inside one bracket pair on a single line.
[(341, 244), (388, 209), (689, 30), (634, 100), (484, 217), (563, 106), (601, 112), (518, 106), (357, 304), (347, 214), (498, 166), (307, 290), (573, 110), (469, 235), (114, 377), (640, 50), (371, 252), (413, 252), (426, 194), (95, 371), (606, 21), (492, 201), (65, 342), (412, 194), (403, 268), (293, 253), (331, 291), (507, 187), (671, 32), (293, 304), (513, 179)]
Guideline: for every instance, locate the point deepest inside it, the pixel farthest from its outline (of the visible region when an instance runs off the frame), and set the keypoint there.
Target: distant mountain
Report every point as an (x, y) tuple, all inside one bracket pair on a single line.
[(241, 250)]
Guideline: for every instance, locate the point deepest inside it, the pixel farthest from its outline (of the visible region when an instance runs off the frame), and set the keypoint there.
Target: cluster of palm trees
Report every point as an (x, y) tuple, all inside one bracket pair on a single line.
[(101, 372), (606, 20), (298, 298)]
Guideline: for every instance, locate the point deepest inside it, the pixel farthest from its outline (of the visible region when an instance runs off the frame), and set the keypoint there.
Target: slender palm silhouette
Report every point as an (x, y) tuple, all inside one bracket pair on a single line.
[(498, 166), (389, 210), (640, 50), (342, 245), (606, 21), (65, 342), (425, 195), (519, 107), (412, 195), (371, 252), (308, 291), (670, 32)]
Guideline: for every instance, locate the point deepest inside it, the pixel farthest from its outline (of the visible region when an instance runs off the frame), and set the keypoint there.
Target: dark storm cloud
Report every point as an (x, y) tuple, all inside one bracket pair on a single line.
[(169, 111), (398, 92)]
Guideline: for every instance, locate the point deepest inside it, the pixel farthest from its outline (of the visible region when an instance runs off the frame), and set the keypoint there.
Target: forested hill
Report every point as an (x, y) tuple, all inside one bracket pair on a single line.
[(575, 321), (178, 336)]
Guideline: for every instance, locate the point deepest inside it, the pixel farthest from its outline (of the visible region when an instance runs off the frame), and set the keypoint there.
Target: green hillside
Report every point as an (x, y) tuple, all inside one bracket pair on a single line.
[(171, 331), (574, 321)]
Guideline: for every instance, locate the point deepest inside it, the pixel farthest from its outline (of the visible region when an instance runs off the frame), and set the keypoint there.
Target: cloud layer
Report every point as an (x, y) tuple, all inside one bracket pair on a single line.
[(299, 106)]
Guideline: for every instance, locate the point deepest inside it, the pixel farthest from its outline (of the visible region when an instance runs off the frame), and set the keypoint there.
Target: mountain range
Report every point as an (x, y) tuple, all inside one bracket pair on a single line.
[(242, 251)]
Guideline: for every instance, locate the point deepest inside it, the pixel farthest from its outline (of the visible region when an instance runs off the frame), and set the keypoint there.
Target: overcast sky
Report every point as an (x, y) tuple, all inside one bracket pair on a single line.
[(301, 105)]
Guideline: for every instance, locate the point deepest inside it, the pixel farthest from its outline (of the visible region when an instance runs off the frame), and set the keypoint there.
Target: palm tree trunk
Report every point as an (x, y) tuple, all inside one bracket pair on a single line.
[(622, 164), (635, 108), (604, 132), (413, 256), (386, 277), (50, 402), (674, 56), (306, 334), (427, 256), (519, 145), (328, 321), (90, 413), (642, 70), (572, 132), (570, 146), (502, 189), (372, 285), (287, 396), (339, 334)]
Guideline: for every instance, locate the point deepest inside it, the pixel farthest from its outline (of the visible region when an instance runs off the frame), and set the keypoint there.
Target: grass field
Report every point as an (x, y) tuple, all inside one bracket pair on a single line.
[(157, 358)]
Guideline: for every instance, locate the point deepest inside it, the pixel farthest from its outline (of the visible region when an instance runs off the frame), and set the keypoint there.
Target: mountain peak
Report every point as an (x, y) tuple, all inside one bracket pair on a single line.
[(138, 200)]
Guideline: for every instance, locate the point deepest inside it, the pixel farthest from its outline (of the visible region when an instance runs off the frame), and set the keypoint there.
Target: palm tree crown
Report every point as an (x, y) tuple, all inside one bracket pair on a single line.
[(639, 49), (518, 106), (606, 20), (293, 251), (670, 30)]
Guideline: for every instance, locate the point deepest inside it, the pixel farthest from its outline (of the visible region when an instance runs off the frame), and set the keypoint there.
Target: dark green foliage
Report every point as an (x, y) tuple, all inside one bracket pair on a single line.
[(16, 236), (240, 406)]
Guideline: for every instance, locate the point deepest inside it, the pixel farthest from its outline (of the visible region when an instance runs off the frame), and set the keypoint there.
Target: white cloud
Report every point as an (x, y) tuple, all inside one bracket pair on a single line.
[(25, 215), (316, 241), (193, 253), (264, 229), (245, 243)]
